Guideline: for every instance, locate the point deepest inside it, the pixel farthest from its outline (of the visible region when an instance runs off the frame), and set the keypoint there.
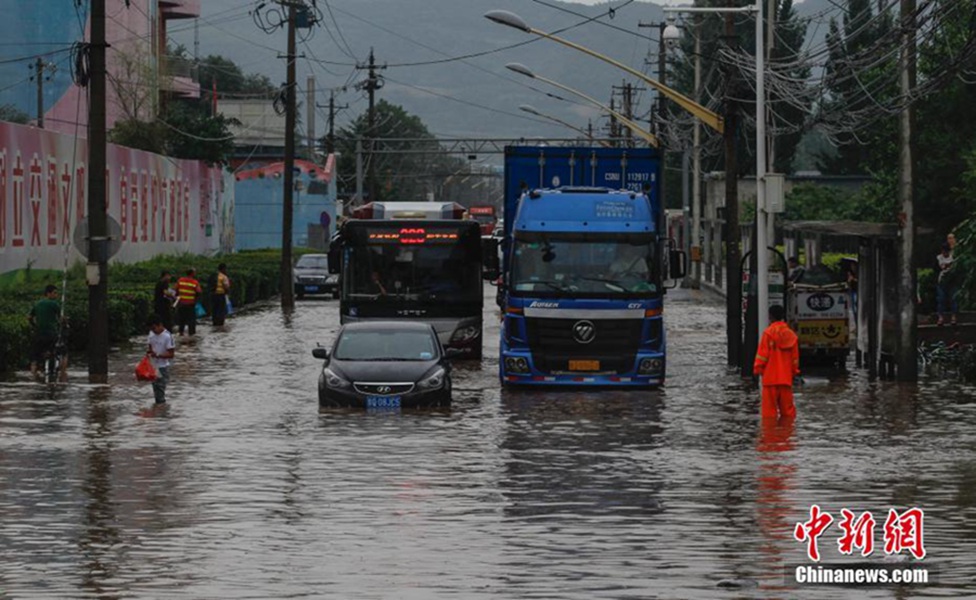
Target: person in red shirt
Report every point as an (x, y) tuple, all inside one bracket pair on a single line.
[(187, 290), (777, 362)]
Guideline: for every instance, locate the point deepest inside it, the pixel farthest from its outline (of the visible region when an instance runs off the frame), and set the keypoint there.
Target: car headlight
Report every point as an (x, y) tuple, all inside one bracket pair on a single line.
[(517, 364), (650, 365), (465, 334), (434, 380), (333, 380)]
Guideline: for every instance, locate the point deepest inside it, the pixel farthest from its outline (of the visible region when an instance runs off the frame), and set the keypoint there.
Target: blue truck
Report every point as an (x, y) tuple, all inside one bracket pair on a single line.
[(584, 264)]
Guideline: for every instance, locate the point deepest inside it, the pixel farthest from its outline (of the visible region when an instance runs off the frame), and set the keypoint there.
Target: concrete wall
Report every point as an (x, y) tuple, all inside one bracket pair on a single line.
[(161, 205)]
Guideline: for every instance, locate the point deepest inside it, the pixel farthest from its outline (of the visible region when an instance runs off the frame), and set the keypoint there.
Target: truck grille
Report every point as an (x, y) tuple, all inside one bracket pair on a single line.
[(555, 343)]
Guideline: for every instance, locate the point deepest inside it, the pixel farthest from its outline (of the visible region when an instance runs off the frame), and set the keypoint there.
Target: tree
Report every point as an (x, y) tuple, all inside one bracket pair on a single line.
[(231, 80), (196, 134), (722, 80), (185, 128), (132, 80), (946, 188), (9, 112), (406, 176), (858, 62)]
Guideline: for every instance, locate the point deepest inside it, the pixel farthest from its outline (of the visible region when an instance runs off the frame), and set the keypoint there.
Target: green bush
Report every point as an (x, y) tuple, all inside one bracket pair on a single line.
[(255, 275)]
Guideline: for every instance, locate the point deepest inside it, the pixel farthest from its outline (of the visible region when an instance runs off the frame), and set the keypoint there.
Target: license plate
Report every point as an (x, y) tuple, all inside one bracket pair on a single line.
[(584, 365), (311, 288), (382, 401)]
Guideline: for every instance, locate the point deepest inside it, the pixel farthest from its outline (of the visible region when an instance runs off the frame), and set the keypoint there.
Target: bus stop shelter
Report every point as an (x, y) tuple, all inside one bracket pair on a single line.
[(876, 246)]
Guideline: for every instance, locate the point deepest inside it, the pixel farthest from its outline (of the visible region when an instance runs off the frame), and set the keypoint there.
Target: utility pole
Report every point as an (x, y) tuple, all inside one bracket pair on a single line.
[(733, 254), (39, 67), (907, 359), (661, 105), (310, 116), (696, 250), (614, 130), (626, 92), (287, 283), (372, 83), (333, 110), (97, 269)]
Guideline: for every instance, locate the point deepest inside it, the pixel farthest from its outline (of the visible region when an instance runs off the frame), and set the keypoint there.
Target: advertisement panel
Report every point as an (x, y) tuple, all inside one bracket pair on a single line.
[(821, 305), (161, 205), (826, 333)]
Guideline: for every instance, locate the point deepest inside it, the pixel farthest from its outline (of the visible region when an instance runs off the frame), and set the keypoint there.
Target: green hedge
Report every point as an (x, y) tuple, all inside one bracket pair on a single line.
[(256, 275)]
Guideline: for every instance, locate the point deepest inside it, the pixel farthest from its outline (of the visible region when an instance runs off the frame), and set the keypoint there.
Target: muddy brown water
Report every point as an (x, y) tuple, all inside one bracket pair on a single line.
[(242, 488)]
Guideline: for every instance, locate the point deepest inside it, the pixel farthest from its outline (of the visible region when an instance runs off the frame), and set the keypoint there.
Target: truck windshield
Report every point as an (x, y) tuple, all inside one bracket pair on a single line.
[(586, 265), (397, 273)]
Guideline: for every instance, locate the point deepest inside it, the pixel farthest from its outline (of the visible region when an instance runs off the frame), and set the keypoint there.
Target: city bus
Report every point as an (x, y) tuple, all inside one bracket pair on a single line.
[(417, 261)]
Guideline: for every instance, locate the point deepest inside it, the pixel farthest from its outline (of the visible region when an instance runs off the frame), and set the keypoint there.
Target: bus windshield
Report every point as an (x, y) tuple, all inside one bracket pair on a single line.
[(586, 265), (420, 264)]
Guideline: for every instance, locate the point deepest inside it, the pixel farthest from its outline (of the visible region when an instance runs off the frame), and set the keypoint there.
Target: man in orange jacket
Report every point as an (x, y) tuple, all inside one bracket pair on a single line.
[(777, 362)]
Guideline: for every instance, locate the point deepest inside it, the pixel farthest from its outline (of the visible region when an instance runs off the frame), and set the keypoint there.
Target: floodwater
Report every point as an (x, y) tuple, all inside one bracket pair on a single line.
[(242, 488)]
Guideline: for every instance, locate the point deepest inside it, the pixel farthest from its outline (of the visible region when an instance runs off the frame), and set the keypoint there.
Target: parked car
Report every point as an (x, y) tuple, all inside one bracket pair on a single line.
[(384, 364), (312, 276)]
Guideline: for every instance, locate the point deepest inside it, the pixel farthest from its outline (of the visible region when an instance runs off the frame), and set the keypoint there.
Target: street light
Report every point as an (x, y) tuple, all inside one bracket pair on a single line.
[(532, 111), (762, 255), (640, 131), (671, 35), (708, 117)]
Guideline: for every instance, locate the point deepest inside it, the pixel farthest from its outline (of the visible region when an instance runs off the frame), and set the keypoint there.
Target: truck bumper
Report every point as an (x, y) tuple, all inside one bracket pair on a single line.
[(531, 376)]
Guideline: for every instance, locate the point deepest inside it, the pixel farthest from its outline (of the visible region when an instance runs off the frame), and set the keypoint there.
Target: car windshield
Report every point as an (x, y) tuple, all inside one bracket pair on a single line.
[(590, 265), (313, 262), (385, 345)]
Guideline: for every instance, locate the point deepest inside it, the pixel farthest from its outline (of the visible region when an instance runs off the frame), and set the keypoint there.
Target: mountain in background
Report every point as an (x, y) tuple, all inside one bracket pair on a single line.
[(475, 97)]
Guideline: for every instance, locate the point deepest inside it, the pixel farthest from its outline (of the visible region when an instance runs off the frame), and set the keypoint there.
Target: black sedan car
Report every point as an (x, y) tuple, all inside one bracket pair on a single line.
[(377, 364), (312, 276)]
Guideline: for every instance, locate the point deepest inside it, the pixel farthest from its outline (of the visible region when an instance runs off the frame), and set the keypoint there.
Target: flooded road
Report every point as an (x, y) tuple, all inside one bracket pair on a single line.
[(241, 488)]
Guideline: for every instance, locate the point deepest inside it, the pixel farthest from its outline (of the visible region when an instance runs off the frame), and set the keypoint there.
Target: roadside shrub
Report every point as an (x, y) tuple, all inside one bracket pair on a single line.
[(255, 275)]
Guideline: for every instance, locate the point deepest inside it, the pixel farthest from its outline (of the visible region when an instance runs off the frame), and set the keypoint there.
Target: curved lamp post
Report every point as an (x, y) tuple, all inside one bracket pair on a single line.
[(706, 116), (532, 111), (637, 129)]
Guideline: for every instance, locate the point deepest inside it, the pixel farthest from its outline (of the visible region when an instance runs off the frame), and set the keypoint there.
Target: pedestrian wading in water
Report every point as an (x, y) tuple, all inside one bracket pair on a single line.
[(777, 362), (161, 351)]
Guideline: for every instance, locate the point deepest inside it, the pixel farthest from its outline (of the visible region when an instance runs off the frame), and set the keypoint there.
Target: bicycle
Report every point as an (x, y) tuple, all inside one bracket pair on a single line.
[(55, 358)]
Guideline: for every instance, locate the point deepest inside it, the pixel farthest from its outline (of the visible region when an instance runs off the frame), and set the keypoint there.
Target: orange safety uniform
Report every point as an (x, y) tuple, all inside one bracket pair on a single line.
[(777, 362), (187, 289)]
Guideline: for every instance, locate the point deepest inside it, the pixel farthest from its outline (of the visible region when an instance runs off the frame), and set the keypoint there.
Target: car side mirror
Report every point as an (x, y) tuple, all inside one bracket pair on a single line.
[(489, 258), (677, 264), (320, 353), (335, 257), (453, 352)]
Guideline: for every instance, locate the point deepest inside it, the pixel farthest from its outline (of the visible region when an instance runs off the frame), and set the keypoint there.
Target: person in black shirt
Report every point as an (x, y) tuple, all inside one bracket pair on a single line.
[(163, 300)]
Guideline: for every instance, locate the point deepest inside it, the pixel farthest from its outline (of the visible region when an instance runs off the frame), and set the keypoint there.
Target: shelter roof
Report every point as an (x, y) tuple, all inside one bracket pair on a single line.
[(859, 229)]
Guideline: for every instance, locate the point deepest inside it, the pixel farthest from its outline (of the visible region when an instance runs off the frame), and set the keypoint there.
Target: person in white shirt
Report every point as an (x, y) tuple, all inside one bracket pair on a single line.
[(161, 351)]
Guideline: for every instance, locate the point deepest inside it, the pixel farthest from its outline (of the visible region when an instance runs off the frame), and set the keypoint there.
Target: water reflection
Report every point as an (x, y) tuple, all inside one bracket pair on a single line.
[(775, 500), (100, 536), (581, 489)]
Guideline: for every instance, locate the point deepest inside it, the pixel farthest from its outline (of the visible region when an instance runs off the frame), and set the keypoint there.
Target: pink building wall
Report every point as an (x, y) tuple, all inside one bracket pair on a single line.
[(135, 34)]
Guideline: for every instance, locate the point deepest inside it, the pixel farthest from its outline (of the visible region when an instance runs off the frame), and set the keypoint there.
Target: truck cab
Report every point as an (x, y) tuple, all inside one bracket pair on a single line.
[(583, 287)]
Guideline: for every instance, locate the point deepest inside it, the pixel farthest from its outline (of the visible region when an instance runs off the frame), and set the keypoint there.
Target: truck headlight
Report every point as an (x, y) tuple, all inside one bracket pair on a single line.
[(333, 380), (517, 364), (433, 381), (650, 365)]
